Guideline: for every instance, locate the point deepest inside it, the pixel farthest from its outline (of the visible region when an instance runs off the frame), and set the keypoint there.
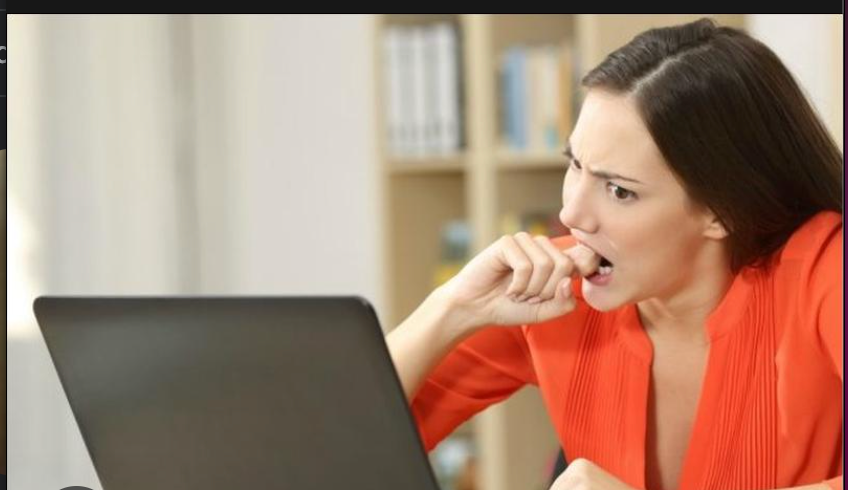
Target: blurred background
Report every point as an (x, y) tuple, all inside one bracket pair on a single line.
[(300, 154)]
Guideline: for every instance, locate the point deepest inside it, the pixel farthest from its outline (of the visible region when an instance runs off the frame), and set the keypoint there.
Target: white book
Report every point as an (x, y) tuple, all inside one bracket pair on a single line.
[(392, 90), (406, 131), (431, 73), (543, 99), (448, 111), (552, 139), (566, 82), (535, 100), (418, 80)]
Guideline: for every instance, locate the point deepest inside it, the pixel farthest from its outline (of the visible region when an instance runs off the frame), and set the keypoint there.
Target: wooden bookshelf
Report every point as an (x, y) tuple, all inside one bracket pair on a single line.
[(454, 164), (515, 440)]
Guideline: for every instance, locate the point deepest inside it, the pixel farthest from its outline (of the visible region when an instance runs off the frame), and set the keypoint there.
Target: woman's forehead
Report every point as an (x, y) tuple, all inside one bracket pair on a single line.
[(610, 133)]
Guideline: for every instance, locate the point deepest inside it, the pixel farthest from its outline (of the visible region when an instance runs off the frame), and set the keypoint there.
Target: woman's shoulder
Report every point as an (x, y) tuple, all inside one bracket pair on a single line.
[(810, 263), (817, 239), (806, 288)]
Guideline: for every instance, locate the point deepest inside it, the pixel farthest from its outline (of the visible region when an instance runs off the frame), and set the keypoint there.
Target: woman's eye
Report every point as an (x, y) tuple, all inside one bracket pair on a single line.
[(573, 164), (620, 193)]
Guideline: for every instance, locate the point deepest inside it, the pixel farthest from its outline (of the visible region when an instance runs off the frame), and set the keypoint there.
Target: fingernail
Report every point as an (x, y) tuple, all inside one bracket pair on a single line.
[(534, 300)]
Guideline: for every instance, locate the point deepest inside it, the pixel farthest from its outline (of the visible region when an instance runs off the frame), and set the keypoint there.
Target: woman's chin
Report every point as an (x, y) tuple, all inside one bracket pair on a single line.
[(601, 298)]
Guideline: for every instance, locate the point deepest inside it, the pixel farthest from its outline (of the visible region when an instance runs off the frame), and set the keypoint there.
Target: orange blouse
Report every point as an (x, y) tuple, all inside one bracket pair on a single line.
[(770, 411)]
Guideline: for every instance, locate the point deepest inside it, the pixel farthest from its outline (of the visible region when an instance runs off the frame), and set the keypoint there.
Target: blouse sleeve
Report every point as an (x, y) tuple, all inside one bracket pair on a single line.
[(821, 299), (481, 371), (484, 369)]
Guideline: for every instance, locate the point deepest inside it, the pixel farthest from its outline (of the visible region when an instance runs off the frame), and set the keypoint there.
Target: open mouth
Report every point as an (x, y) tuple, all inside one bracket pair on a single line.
[(605, 267), (603, 275)]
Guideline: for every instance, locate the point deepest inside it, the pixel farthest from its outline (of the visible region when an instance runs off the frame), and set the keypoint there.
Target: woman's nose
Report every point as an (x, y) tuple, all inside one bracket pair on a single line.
[(577, 212)]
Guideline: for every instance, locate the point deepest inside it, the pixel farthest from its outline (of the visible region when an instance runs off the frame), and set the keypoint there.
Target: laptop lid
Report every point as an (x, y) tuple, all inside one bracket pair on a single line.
[(234, 392)]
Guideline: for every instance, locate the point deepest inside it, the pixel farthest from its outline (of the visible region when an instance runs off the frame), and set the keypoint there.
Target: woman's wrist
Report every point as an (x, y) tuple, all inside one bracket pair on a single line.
[(453, 321)]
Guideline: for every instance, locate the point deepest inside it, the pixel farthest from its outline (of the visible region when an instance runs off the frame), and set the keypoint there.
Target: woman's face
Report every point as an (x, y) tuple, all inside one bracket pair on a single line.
[(621, 200)]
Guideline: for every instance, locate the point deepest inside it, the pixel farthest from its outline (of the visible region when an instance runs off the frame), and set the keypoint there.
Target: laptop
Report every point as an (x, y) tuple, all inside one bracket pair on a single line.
[(217, 393)]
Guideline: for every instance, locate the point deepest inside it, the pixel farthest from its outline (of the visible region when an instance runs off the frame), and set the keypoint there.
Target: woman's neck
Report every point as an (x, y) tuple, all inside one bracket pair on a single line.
[(682, 314)]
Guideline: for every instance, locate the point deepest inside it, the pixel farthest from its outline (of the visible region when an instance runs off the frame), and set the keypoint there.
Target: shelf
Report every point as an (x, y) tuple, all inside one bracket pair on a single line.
[(516, 161), (426, 165), (421, 205), (530, 192)]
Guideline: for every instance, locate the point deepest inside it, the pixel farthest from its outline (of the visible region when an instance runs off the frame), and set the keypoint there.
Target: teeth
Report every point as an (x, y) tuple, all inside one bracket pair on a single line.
[(605, 270)]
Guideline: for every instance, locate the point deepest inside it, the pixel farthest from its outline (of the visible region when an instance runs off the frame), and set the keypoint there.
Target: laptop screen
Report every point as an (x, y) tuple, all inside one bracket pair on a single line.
[(234, 392)]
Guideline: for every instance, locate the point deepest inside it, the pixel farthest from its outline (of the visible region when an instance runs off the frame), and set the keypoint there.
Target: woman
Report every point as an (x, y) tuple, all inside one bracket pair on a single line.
[(688, 333)]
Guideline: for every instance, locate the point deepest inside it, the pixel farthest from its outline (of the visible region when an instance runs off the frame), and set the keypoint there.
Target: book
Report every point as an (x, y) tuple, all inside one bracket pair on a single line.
[(449, 127), (393, 80), (423, 97), (535, 93)]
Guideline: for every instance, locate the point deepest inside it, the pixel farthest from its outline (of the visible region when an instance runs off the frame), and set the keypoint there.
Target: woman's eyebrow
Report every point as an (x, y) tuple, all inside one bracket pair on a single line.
[(601, 174)]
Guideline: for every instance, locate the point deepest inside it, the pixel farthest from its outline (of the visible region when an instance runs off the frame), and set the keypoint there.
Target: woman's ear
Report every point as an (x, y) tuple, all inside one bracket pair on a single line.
[(714, 228)]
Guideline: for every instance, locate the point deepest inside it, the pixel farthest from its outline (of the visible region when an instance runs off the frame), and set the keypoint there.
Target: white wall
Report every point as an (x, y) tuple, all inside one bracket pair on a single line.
[(296, 101), (177, 154), (811, 47), (91, 182)]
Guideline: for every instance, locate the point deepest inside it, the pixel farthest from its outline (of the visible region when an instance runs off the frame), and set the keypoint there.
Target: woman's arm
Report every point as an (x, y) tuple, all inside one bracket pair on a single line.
[(518, 279), (423, 339)]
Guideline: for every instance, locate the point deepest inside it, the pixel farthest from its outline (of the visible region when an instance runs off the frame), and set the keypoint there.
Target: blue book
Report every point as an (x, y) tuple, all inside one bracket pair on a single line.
[(515, 89)]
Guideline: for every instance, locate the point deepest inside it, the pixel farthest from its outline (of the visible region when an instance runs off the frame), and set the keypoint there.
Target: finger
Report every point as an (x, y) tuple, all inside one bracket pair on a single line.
[(585, 259), (513, 255), (543, 265), (563, 301), (575, 475), (562, 482), (563, 267)]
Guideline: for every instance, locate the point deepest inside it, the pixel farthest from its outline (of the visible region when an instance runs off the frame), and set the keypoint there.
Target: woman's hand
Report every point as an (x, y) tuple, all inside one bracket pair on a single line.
[(516, 280), (582, 474)]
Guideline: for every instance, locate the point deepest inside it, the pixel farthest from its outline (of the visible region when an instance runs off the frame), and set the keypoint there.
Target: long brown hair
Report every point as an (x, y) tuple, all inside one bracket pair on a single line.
[(734, 127)]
